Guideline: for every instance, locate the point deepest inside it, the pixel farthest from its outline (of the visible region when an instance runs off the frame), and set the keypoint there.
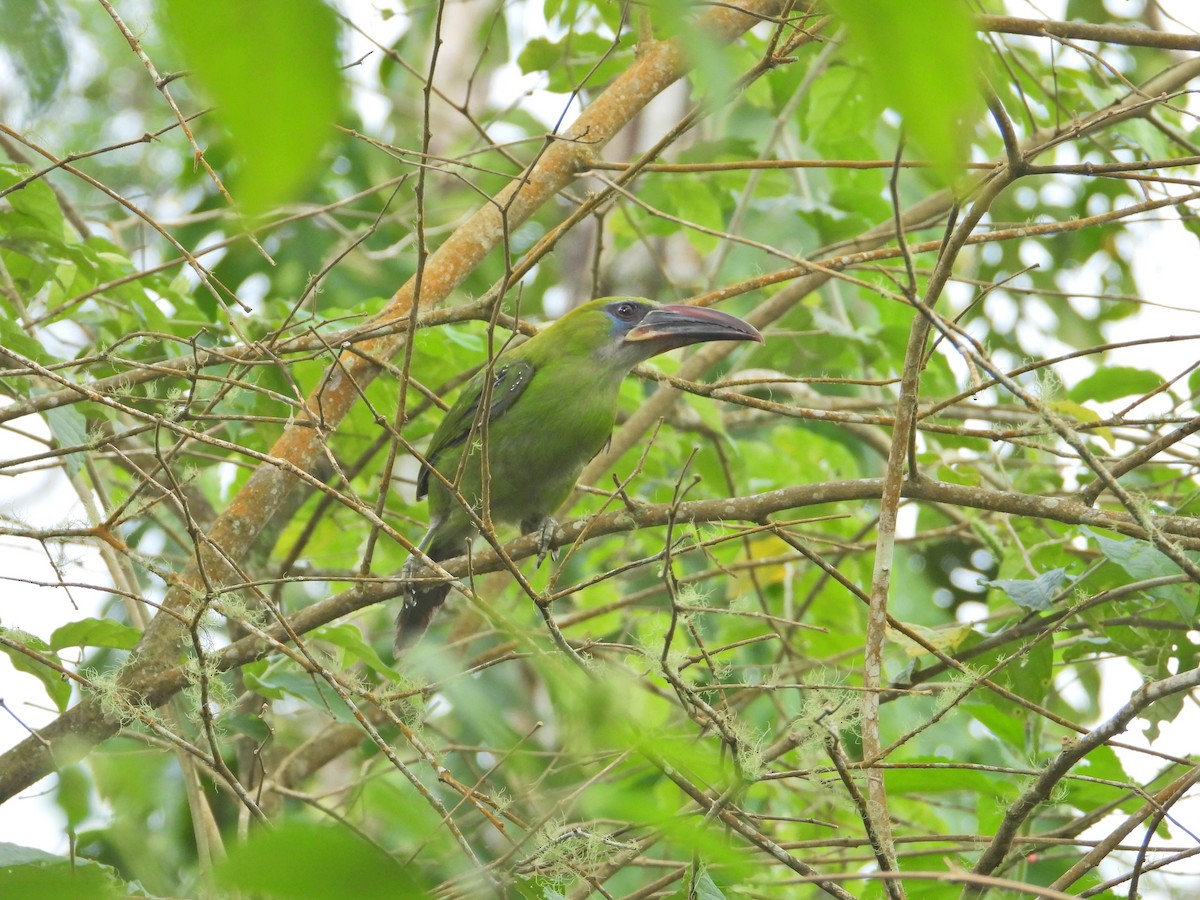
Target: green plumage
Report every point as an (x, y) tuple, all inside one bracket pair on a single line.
[(550, 409)]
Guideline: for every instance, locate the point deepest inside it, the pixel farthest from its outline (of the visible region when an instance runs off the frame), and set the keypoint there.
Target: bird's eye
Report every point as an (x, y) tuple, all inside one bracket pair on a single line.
[(625, 310)]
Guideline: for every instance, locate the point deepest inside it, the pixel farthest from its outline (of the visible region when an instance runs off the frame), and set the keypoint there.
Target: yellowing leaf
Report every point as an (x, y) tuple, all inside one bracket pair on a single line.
[(947, 638), (1081, 413), (764, 547)]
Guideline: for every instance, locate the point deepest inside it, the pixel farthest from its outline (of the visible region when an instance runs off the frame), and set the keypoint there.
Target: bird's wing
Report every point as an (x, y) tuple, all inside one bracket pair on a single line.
[(509, 381)]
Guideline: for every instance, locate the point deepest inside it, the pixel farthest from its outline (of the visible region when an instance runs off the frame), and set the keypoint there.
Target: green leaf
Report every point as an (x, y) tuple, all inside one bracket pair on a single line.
[(57, 687), (243, 723), (580, 59), (1113, 382), (32, 38), (959, 473), (715, 66), (1194, 384), (1192, 223), (16, 855), (311, 862), (538, 55), (923, 59), (709, 412), (1003, 719), (13, 337), (1101, 763), (35, 203), (62, 881), (1029, 675), (27, 872), (704, 888), (73, 794), (277, 683), (701, 207), (350, 639), (271, 68), (1032, 593), (1139, 558), (919, 782), (95, 633), (69, 428), (1142, 560)]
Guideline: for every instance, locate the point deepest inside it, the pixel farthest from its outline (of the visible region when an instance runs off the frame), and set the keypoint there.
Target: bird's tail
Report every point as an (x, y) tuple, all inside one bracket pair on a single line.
[(422, 602)]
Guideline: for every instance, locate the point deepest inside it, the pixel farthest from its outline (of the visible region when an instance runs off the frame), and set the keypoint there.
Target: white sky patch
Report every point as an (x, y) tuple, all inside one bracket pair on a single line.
[(42, 499)]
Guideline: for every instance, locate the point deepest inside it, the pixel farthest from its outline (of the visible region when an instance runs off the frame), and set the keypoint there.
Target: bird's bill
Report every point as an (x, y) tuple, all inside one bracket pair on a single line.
[(677, 325)]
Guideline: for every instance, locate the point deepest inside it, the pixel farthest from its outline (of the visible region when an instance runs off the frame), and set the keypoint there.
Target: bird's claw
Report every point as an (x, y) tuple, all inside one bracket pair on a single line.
[(545, 537), (411, 569), (410, 573)]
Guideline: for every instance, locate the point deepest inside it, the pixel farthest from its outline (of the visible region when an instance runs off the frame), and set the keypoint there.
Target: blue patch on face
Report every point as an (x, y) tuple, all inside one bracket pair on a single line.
[(625, 314)]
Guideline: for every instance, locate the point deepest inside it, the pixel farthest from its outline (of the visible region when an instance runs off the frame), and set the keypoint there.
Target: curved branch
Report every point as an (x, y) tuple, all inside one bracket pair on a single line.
[(1090, 31)]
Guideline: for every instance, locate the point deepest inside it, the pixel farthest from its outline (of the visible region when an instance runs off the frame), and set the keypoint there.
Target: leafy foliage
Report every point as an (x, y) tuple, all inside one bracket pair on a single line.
[(787, 639)]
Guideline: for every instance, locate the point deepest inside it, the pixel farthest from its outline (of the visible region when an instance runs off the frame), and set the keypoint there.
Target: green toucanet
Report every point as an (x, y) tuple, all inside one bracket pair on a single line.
[(551, 408)]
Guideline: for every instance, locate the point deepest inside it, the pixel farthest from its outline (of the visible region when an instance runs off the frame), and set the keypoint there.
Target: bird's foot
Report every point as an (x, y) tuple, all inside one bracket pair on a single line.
[(411, 569), (420, 603), (544, 529)]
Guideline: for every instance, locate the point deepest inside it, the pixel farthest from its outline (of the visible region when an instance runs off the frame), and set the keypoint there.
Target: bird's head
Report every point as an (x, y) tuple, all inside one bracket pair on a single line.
[(663, 328), (632, 330)]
